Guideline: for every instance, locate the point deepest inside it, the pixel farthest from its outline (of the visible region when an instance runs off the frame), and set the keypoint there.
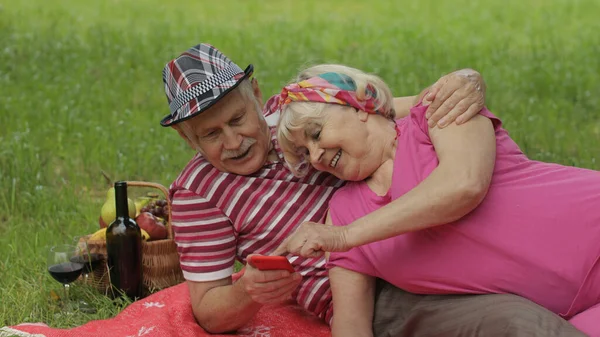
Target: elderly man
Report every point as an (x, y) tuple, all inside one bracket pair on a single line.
[(236, 197)]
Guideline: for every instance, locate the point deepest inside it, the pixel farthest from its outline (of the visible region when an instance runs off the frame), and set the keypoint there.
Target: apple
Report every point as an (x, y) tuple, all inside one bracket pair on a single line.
[(101, 222), (151, 224)]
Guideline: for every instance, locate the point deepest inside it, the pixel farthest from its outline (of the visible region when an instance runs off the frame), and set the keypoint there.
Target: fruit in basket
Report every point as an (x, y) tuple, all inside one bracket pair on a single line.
[(159, 208), (140, 203), (151, 224), (101, 222), (145, 235), (109, 210), (98, 235), (110, 194)]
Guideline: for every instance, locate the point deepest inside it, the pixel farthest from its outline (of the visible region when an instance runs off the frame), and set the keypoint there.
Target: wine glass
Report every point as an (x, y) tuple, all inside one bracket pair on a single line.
[(62, 269), (89, 259)]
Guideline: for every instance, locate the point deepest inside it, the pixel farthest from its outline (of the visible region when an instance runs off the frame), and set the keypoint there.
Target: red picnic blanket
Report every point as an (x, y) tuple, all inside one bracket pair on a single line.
[(168, 313)]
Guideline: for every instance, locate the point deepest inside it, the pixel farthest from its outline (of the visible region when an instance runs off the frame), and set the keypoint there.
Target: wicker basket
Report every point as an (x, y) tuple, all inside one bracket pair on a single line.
[(160, 261)]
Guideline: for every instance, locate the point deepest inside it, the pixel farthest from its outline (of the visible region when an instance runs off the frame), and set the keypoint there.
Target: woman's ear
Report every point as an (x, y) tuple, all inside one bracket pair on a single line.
[(362, 115)]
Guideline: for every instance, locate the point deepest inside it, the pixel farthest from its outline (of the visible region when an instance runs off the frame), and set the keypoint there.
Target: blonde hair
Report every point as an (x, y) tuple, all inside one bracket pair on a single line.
[(297, 115)]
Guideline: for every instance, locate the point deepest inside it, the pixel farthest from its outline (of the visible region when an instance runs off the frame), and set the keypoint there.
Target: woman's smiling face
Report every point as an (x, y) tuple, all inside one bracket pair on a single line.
[(340, 142)]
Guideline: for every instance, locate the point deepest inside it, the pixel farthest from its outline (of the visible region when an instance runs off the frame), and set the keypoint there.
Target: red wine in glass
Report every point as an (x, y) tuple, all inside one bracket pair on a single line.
[(63, 270), (66, 272)]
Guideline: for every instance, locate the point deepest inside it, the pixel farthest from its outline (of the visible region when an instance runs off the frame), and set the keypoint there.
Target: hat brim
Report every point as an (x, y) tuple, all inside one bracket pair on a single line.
[(168, 120)]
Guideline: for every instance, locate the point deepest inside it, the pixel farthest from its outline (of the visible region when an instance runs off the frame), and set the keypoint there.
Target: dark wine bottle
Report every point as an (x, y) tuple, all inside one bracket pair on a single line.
[(124, 248)]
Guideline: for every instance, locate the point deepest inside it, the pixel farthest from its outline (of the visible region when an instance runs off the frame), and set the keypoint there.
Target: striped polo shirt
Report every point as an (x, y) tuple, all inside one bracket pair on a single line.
[(220, 217)]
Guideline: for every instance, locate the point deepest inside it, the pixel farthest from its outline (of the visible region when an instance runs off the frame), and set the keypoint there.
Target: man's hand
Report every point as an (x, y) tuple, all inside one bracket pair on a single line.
[(457, 96), (269, 286), (313, 240)]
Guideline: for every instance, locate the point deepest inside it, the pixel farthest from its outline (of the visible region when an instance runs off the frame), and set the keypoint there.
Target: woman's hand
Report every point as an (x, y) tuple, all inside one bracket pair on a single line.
[(457, 96), (312, 239)]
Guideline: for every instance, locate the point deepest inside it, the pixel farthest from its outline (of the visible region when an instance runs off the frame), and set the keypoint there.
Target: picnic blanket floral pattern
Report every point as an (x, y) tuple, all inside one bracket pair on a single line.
[(168, 313)]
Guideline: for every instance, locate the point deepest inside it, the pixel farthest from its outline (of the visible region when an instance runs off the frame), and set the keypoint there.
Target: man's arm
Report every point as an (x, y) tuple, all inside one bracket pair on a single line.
[(220, 305), (402, 105), (458, 96)]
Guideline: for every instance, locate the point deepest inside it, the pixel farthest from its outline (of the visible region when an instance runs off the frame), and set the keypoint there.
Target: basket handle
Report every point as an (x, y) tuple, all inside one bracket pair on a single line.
[(165, 192)]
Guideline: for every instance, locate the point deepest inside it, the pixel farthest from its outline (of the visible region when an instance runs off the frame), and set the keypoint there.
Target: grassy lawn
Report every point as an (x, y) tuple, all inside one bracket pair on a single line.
[(81, 93)]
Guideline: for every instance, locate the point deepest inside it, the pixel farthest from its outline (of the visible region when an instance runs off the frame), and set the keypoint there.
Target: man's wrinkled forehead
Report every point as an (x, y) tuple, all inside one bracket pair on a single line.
[(220, 113)]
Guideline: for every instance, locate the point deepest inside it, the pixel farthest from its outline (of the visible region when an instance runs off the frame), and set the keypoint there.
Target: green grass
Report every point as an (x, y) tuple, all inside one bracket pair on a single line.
[(81, 92)]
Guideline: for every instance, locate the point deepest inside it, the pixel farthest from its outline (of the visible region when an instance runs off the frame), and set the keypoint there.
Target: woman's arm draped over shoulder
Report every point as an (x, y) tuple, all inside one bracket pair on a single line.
[(466, 156)]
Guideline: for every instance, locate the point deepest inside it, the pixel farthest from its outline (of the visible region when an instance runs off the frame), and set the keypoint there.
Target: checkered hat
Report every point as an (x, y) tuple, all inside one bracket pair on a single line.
[(197, 79)]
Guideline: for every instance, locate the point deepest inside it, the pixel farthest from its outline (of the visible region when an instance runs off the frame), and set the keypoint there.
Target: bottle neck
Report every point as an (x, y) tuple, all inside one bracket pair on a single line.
[(121, 199)]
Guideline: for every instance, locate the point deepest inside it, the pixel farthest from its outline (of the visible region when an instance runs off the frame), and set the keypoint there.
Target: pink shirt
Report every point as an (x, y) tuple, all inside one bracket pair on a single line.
[(536, 234)]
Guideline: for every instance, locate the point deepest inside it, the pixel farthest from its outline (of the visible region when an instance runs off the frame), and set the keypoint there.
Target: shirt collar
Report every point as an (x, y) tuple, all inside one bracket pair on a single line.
[(276, 147)]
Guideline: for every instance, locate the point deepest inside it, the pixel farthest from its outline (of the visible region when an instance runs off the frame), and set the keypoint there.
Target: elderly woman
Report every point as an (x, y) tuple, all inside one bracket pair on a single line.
[(459, 210)]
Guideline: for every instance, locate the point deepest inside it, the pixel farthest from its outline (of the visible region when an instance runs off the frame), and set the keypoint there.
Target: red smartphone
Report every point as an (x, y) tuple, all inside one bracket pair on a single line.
[(262, 262)]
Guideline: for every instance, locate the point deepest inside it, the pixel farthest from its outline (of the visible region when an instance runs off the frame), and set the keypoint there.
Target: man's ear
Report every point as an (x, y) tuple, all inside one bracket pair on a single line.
[(256, 91), (177, 128), (362, 115)]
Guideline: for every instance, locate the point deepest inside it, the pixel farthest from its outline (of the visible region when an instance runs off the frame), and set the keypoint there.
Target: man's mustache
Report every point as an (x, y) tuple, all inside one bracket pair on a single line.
[(246, 143)]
